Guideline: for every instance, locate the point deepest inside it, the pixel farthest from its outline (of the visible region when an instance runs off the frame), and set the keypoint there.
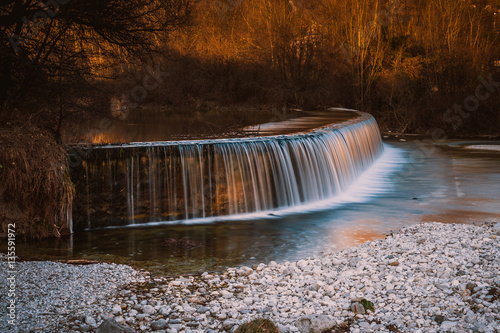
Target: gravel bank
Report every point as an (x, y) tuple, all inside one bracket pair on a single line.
[(48, 293), (426, 278)]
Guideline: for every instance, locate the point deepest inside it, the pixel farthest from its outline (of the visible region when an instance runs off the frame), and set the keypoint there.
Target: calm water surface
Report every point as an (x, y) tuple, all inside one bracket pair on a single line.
[(413, 182)]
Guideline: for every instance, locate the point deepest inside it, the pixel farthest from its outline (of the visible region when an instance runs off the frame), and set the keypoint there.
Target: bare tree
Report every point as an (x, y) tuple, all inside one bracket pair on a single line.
[(52, 50)]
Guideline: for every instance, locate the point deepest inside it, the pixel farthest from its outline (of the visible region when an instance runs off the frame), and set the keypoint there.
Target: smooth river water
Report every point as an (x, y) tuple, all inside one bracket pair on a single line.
[(413, 182)]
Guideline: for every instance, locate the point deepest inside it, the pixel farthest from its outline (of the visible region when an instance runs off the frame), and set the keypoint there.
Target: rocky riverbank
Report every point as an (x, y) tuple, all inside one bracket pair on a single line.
[(425, 278)]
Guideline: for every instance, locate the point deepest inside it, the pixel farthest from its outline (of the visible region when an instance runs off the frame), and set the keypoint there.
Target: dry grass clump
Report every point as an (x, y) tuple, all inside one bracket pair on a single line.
[(36, 191), (259, 325)]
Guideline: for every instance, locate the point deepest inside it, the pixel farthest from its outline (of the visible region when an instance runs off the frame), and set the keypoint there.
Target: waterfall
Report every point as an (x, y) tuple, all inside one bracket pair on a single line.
[(173, 181)]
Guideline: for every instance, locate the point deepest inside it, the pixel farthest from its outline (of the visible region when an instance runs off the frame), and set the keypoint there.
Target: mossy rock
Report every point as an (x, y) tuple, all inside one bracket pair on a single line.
[(367, 305)]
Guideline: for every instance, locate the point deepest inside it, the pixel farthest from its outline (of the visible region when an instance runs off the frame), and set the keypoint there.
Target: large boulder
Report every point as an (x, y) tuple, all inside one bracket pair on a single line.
[(159, 324)]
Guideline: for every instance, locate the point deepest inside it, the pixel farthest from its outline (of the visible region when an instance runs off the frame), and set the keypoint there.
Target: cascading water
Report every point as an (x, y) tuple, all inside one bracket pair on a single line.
[(172, 181)]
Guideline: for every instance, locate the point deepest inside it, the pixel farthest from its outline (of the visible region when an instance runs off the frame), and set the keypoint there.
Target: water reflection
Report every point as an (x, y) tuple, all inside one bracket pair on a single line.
[(345, 236), (164, 124)]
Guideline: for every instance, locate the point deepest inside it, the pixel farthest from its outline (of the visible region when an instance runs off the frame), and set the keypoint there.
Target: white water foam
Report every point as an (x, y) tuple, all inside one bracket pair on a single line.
[(373, 182)]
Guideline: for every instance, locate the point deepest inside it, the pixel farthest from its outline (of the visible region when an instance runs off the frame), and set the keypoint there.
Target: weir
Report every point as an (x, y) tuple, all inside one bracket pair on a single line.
[(128, 184)]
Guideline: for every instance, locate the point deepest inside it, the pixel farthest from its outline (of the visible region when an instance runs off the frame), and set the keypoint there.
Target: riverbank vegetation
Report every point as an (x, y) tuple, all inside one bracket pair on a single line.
[(406, 62), (415, 65), (36, 191)]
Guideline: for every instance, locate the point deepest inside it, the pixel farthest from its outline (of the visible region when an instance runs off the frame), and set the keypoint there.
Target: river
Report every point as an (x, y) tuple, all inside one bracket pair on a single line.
[(412, 182)]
